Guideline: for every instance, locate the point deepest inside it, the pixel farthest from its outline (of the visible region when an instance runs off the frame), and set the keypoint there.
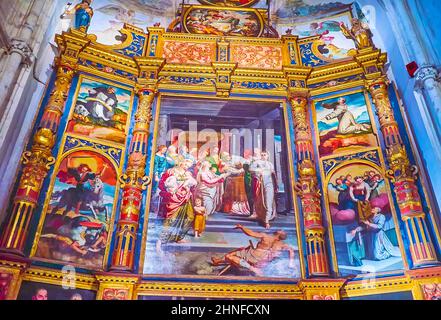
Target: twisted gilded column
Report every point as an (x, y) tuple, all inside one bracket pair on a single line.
[(133, 182), (403, 175), (308, 190), (36, 164)]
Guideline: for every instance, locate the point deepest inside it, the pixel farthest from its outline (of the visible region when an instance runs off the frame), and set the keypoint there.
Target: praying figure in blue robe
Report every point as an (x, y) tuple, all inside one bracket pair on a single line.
[(382, 246)]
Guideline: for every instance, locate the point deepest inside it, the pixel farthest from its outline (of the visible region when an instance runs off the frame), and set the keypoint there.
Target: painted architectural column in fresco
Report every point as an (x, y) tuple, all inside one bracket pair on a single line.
[(162, 130), (37, 163), (403, 175), (308, 189), (133, 183)]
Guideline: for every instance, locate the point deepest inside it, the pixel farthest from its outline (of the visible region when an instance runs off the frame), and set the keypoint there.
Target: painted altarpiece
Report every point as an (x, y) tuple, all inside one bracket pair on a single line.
[(140, 211)]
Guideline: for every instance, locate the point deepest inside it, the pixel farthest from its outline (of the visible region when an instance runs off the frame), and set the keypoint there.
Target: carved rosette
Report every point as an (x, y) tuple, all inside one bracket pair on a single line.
[(403, 176), (133, 182), (308, 189)]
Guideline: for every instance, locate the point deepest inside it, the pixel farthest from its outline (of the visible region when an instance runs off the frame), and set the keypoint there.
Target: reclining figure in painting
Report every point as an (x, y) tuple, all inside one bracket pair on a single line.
[(256, 258)]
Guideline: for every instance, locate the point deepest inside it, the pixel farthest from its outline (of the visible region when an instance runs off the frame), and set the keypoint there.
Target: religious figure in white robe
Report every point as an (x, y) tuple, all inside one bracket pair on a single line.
[(264, 189), (208, 186), (346, 120)]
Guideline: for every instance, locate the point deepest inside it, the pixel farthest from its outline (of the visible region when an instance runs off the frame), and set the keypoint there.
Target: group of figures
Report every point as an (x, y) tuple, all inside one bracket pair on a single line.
[(191, 187), (223, 22), (245, 187), (363, 209)]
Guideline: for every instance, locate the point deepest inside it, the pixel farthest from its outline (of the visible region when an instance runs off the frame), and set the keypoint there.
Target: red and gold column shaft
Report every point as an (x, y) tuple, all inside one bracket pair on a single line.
[(403, 175), (133, 183), (308, 189), (36, 164)]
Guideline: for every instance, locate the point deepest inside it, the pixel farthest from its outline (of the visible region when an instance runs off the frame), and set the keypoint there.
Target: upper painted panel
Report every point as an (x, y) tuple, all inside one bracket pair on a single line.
[(230, 3), (101, 111), (220, 22)]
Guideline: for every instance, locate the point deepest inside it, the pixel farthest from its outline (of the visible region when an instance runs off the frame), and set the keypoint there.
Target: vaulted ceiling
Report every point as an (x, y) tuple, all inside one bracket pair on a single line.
[(111, 14)]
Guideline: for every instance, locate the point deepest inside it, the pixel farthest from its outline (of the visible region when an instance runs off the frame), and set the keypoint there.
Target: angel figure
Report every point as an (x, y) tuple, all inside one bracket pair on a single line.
[(360, 33), (119, 16), (321, 28)]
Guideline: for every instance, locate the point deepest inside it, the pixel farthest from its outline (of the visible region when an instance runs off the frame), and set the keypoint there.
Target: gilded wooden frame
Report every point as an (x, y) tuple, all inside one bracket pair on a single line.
[(325, 178), (62, 155), (299, 235)]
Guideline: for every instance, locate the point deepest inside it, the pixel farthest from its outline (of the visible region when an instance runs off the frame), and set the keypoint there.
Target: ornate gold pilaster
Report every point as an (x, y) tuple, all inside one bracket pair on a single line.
[(403, 175), (223, 50), (290, 55), (156, 40), (325, 289), (134, 181), (37, 162), (307, 187), (224, 71), (116, 287)]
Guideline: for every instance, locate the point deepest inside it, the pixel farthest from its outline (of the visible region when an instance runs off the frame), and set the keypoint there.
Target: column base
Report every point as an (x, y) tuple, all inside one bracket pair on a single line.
[(426, 264), (319, 275), (120, 270)]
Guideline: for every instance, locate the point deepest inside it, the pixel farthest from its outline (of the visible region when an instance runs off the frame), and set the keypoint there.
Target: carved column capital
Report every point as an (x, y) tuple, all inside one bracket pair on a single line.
[(426, 77), (22, 48), (427, 72)]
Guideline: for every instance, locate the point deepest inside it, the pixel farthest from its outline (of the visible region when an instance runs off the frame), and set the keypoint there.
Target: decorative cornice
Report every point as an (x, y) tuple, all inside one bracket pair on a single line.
[(57, 277), (117, 278), (322, 283), (376, 286), (221, 290), (14, 261), (424, 273)]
